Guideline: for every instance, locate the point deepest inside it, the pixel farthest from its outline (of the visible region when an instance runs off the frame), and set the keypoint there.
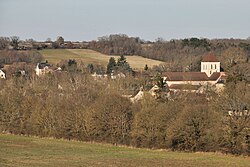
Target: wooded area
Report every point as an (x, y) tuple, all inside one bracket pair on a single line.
[(87, 110)]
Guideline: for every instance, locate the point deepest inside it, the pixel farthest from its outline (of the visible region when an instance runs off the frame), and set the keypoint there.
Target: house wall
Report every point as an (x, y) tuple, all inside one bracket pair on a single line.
[(42, 71), (2, 75), (210, 67), (191, 82), (38, 71)]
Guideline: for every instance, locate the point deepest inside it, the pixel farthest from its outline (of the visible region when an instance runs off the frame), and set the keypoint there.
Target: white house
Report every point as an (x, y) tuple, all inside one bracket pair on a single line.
[(2, 74), (42, 68)]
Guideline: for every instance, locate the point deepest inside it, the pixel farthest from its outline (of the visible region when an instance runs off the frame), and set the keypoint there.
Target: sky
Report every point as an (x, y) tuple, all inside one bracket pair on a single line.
[(85, 20)]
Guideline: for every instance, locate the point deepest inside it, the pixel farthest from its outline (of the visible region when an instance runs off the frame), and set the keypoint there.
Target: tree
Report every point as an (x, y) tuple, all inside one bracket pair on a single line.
[(234, 103), (162, 92), (146, 67), (90, 68), (121, 61), (4, 42), (14, 42), (72, 65), (150, 124), (239, 72), (233, 56), (123, 65), (111, 119), (160, 81), (192, 129), (111, 65), (60, 40)]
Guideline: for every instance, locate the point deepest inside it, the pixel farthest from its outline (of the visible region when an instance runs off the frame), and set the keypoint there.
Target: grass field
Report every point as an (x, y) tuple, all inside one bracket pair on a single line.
[(89, 56), (19, 151)]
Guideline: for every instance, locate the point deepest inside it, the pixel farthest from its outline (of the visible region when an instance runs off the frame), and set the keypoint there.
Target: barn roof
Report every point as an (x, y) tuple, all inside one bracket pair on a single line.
[(210, 58)]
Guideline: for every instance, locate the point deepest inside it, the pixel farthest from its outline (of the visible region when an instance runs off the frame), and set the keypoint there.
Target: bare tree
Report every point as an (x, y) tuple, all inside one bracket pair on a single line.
[(60, 40), (14, 42), (4, 42)]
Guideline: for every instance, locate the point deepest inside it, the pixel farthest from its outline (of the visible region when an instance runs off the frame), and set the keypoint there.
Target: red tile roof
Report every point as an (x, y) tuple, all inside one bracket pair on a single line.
[(210, 58), (190, 76), (214, 76), (186, 76)]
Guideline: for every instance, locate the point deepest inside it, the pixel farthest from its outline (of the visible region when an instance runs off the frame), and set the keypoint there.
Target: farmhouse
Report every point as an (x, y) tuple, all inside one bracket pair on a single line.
[(210, 75), (42, 68)]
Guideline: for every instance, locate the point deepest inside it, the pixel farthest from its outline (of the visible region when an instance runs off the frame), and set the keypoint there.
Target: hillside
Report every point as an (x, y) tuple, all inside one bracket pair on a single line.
[(32, 151), (90, 56)]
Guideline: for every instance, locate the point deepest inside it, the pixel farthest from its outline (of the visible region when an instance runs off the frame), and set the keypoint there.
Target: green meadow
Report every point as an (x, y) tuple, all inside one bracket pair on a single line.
[(21, 151)]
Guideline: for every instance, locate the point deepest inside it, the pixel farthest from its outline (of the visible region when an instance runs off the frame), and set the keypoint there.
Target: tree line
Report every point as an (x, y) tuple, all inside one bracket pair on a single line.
[(179, 54)]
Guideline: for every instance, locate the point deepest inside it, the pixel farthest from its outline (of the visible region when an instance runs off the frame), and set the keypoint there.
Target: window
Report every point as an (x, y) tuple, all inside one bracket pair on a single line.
[(215, 66), (211, 66)]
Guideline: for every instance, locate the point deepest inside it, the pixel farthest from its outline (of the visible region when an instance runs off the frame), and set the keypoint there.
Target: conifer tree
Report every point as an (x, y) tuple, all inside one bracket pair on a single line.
[(111, 65)]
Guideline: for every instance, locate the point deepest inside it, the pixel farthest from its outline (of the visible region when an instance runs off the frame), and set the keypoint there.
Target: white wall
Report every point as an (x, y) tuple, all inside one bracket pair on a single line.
[(210, 67), (190, 82), (2, 74)]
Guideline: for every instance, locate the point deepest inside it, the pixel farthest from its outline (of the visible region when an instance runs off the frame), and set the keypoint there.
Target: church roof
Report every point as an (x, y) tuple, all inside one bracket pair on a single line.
[(190, 76), (186, 76), (210, 58), (214, 76)]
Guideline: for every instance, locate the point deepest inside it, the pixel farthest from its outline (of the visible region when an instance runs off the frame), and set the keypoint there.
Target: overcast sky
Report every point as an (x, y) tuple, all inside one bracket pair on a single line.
[(147, 19)]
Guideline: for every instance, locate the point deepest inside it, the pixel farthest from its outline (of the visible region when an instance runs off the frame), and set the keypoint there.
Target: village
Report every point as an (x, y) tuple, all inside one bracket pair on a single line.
[(209, 78)]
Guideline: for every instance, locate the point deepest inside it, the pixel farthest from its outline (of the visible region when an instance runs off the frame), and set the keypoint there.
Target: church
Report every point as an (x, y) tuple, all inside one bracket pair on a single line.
[(210, 75)]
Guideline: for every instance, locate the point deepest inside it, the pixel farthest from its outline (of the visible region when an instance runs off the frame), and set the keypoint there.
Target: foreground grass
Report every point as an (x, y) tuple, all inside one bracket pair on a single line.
[(89, 56), (22, 151)]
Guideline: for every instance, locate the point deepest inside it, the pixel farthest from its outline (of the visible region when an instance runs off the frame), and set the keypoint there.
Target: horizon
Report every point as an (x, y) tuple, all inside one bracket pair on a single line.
[(146, 19), (167, 40)]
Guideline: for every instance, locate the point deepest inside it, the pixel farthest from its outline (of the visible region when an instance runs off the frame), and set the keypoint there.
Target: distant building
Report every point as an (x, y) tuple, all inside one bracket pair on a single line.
[(191, 78), (210, 75), (210, 64), (42, 68), (2, 74)]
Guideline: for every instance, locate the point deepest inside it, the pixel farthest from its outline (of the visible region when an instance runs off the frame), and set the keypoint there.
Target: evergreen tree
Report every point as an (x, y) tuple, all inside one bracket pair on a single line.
[(72, 65), (123, 65), (121, 61), (90, 68), (111, 65)]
